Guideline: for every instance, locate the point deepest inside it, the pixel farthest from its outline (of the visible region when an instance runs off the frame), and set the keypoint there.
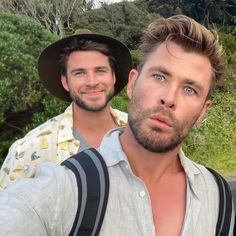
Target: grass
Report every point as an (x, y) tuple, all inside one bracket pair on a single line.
[(214, 143)]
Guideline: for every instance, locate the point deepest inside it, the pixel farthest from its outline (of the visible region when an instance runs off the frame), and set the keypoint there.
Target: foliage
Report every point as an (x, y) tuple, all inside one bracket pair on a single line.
[(229, 47), (120, 101), (214, 142), (21, 41), (52, 107), (123, 21), (229, 44), (218, 12)]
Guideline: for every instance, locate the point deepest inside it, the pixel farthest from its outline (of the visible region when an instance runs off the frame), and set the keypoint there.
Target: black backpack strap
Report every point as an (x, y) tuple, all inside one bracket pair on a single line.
[(93, 189), (225, 205)]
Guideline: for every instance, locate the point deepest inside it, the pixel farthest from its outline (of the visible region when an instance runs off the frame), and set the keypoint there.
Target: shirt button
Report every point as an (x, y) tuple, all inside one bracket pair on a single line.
[(142, 193)]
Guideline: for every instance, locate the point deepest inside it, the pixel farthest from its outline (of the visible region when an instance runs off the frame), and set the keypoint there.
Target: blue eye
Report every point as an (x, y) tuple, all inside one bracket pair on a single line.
[(189, 90), (159, 77)]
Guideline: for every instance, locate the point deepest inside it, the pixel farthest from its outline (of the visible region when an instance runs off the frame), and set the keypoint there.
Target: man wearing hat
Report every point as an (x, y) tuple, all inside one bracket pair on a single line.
[(87, 70)]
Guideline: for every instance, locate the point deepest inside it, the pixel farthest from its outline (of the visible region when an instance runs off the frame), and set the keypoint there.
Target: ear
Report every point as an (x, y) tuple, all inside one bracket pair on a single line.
[(114, 77), (206, 106), (64, 83), (133, 75)]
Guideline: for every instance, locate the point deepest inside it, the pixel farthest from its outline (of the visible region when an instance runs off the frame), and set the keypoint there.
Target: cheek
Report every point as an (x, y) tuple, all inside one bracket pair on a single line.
[(106, 80), (189, 115), (144, 90), (77, 82)]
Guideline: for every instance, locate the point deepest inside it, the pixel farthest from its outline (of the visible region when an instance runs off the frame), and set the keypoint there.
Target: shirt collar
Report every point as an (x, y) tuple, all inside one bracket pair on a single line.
[(191, 170), (65, 129), (112, 153), (65, 132), (119, 117), (111, 149)]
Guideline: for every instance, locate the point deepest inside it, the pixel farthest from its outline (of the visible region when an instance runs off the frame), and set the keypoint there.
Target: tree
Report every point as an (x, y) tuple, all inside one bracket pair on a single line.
[(21, 93), (207, 12), (55, 15), (123, 20)]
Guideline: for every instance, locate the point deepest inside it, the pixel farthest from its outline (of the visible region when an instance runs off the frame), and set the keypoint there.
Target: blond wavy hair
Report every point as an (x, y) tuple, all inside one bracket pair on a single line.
[(190, 35)]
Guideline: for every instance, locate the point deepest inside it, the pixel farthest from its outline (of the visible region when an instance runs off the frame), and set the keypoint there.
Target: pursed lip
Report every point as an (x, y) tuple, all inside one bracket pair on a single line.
[(162, 120)]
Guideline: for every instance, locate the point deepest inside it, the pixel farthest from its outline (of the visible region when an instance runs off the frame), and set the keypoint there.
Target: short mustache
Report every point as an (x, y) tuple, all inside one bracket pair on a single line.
[(160, 111)]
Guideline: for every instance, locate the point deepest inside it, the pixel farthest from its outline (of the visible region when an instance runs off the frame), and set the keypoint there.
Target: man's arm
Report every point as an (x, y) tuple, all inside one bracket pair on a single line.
[(39, 206), (18, 217)]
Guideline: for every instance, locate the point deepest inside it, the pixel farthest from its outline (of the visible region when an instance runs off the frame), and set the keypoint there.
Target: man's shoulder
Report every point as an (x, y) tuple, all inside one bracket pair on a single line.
[(50, 170), (36, 136), (49, 125)]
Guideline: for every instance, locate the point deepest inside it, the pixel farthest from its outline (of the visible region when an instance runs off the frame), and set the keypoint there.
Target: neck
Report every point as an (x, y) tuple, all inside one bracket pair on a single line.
[(93, 125), (149, 166)]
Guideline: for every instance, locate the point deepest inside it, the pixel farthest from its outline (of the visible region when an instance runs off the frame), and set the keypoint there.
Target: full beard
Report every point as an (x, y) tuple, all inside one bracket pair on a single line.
[(152, 138), (89, 107)]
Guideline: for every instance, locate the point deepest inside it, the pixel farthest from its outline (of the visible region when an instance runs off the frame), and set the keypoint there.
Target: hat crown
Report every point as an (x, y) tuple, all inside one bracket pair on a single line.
[(82, 31)]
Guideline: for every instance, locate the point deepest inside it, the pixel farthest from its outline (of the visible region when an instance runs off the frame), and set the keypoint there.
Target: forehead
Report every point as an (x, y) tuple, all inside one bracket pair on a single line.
[(87, 53), (87, 58)]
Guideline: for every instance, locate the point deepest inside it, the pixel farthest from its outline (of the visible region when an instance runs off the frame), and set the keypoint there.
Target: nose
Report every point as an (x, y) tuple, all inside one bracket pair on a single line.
[(168, 98), (167, 103), (92, 78)]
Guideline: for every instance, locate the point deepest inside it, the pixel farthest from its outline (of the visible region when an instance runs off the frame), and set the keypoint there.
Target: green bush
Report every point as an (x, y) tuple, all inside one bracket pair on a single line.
[(21, 93), (214, 142), (229, 47), (21, 41)]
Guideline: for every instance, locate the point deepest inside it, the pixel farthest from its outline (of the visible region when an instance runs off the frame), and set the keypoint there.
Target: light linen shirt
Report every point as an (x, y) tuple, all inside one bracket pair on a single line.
[(46, 205), (52, 141)]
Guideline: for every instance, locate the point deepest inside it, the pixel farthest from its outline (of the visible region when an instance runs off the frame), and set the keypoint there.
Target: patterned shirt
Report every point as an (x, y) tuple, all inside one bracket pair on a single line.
[(47, 204), (52, 141)]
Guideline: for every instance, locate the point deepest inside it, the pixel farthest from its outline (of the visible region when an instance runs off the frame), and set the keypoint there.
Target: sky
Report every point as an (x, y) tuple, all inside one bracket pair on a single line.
[(97, 2)]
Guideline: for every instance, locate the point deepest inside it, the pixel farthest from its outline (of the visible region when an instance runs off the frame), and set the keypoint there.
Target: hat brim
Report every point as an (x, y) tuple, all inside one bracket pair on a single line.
[(49, 70)]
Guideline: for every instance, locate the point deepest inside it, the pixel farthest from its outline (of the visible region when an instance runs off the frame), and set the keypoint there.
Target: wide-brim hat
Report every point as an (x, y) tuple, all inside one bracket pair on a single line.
[(49, 69)]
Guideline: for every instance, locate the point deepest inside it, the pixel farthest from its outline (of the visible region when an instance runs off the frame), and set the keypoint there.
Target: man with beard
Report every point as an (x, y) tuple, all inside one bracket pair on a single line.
[(87, 69), (154, 188)]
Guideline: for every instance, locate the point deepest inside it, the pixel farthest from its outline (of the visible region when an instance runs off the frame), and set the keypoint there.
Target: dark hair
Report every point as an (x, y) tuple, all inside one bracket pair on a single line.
[(84, 45), (190, 35)]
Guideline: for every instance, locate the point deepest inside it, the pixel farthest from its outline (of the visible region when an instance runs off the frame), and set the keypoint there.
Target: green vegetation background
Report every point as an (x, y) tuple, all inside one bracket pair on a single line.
[(24, 103)]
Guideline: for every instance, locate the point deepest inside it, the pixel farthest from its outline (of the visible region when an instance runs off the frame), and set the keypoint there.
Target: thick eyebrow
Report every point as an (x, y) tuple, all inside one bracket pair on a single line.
[(165, 71), (160, 69), (102, 67), (96, 68), (77, 70)]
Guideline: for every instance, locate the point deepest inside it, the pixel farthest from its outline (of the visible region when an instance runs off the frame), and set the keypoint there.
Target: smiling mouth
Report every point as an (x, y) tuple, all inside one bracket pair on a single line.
[(92, 93)]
